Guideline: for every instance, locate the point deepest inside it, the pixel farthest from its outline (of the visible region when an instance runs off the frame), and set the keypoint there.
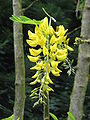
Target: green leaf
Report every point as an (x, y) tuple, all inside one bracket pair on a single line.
[(53, 116), (15, 18), (25, 20), (71, 116)]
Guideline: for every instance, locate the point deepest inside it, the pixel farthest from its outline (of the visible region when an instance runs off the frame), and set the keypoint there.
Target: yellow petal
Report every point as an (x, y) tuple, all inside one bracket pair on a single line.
[(58, 70), (49, 89), (61, 31), (45, 67), (53, 48), (53, 39), (55, 73), (51, 30), (32, 43), (69, 48), (33, 59), (54, 64), (36, 75), (61, 57), (43, 26), (42, 41), (38, 66), (45, 51), (52, 56), (31, 35), (61, 52), (48, 78), (34, 82), (35, 52)]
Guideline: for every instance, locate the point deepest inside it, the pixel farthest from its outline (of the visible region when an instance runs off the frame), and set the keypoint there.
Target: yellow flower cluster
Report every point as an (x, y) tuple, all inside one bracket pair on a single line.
[(52, 50)]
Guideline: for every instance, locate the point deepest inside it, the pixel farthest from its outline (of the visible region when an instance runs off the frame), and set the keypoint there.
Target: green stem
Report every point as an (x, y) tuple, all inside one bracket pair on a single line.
[(46, 106)]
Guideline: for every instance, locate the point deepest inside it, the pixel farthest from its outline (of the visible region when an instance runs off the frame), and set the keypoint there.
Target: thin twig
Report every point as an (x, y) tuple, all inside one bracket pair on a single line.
[(74, 30), (25, 9)]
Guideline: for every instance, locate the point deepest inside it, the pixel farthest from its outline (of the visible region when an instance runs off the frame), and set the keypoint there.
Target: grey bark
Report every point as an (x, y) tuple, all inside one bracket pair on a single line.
[(81, 78), (19, 63)]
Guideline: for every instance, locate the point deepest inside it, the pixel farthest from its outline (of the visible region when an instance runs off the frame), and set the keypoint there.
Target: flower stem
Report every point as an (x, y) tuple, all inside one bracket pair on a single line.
[(46, 106)]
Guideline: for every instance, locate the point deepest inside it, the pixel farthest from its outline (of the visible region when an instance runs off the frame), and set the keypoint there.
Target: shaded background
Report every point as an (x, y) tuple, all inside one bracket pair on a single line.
[(64, 12)]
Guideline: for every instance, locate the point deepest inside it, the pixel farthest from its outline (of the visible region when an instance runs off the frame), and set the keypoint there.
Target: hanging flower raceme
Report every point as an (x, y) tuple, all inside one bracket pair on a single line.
[(52, 50)]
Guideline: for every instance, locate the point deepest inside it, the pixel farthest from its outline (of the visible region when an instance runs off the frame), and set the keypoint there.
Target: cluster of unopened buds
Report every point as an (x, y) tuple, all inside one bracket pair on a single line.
[(47, 49)]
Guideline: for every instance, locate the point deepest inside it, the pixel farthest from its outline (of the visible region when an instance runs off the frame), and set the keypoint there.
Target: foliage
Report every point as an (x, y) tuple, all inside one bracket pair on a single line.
[(64, 12), (24, 20), (53, 116), (71, 116)]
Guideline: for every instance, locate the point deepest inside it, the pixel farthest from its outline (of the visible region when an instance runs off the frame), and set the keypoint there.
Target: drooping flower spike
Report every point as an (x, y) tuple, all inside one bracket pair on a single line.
[(52, 50)]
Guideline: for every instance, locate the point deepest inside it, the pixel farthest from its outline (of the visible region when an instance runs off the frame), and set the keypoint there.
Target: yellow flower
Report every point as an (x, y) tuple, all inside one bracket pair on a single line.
[(53, 48), (49, 89), (52, 56), (69, 48), (45, 51), (36, 75), (45, 67), (38, 32), (50, 30), (33, 59), (42, 41), (48, 78), (54, 64), (43, 26), (60, 39), (55, 73), (35, 52), (40, 63), (53, 39), (31, 35), (32, 43), (61, 57), (38, 66), (58, 70), (61, 31), (61, 52), (35, 81), (67, 41)]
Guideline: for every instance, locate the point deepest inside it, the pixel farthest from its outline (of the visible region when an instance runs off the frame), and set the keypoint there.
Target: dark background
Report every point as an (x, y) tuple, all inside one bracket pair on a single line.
[(64, 12)]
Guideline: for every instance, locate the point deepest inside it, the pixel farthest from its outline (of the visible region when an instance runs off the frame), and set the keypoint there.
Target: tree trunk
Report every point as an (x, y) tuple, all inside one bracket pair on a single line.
[(81, 78), (19, 63)]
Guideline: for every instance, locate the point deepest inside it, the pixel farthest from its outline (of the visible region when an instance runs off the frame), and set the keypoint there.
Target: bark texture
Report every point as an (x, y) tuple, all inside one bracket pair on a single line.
[(19, 63), (81, 78)]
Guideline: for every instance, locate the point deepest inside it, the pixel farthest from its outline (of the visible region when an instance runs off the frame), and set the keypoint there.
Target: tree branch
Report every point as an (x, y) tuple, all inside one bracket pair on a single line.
[(25, 9), (74, 30)]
